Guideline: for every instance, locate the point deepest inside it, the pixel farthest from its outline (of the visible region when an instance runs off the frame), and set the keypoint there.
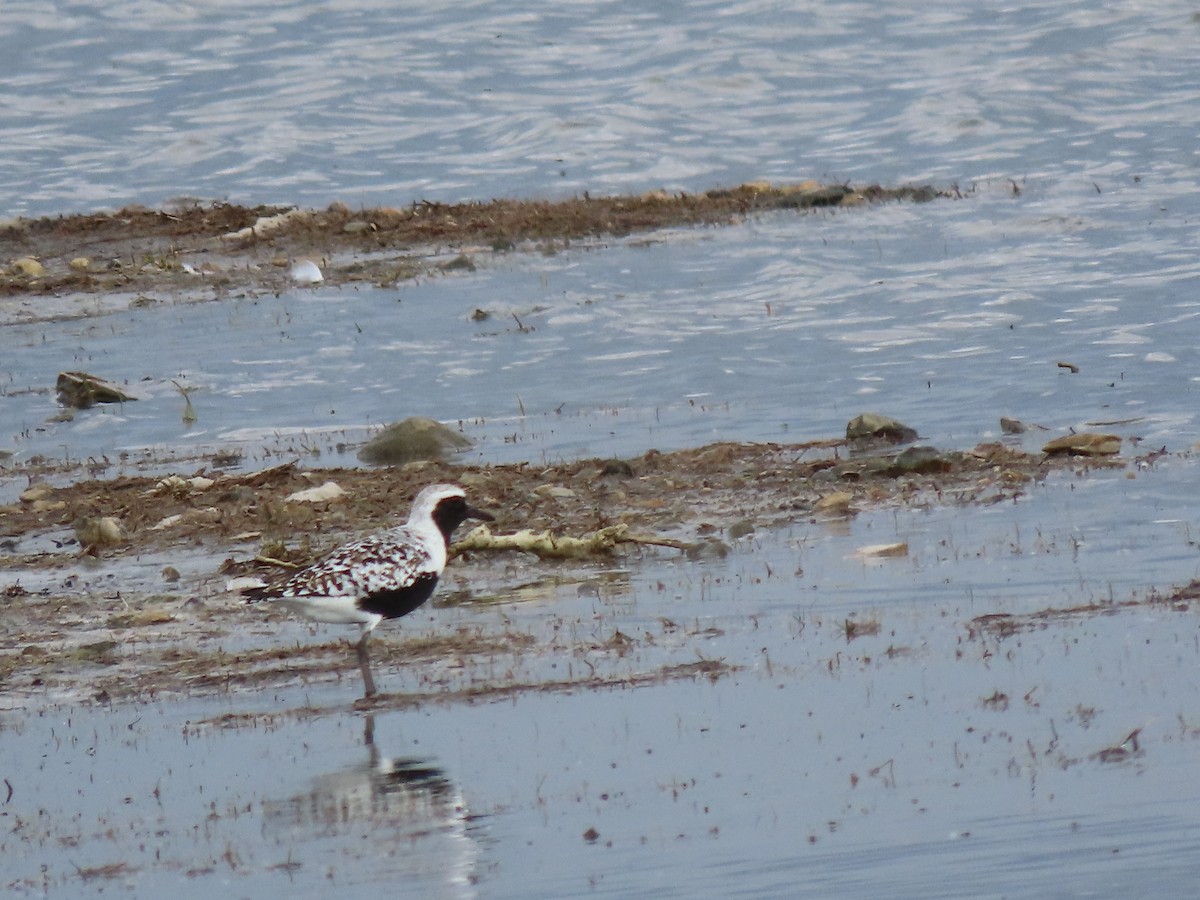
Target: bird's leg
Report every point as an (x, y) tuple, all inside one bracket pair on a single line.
[(364, 663)]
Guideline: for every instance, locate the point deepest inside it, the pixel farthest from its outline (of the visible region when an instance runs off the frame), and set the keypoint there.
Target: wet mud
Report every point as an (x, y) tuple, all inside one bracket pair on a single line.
[(114, 618)]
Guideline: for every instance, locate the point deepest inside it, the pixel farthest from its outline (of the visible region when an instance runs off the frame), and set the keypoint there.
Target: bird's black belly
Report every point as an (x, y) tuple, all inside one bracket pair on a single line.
[(393, 604)]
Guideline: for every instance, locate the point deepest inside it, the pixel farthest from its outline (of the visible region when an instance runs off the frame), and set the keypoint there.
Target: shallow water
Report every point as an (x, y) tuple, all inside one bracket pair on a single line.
[(820, 766), (369, 102), (919, 761), (947, 314), (782, 329)]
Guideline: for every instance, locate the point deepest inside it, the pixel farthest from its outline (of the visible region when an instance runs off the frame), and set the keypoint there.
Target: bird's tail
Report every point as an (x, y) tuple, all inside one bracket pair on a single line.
[(252, 589)]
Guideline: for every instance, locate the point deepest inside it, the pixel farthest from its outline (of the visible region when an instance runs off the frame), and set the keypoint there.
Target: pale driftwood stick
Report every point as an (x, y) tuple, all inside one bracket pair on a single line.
[(549, 546), (271, 561)]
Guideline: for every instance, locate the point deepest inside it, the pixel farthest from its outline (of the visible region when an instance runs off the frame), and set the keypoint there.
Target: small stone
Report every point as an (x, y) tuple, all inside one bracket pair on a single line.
[(27, 266), (98, 652), (1012, 426), (170, 574), (36, 492), (617, 467), (305, 271), (103, 531), (81, 390), (554, 491), (202, 516), (710, 548), (1085, 443), (462, 261), (835, 504), (80, 264), (172, 484), (874, 425), (740, 529), (920, 461), (324, 493), (414, 438)]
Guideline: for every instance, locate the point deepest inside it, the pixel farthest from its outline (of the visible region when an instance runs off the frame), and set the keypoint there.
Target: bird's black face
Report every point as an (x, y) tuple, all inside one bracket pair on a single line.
[(453, 511)]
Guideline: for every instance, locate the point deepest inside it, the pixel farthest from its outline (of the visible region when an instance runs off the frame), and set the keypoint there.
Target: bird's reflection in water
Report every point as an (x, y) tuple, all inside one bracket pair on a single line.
[(405, 814)]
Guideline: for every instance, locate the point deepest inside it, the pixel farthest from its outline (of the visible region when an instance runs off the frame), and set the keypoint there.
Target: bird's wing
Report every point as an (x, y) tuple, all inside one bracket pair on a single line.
[(379, 562)]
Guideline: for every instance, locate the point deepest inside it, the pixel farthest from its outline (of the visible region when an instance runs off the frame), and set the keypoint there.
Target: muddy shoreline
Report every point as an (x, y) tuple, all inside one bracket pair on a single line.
[(83, 264), (114, 588), (85, 638)]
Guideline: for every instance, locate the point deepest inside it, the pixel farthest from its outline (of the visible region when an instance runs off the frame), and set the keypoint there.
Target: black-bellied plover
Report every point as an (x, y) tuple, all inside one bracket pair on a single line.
[(382, 576)]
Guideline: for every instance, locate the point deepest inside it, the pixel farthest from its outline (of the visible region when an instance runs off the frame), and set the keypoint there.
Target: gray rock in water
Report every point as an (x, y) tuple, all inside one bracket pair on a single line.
[(1085, 443), (81, 390), (412, 439), (921, 461), (873, 425)]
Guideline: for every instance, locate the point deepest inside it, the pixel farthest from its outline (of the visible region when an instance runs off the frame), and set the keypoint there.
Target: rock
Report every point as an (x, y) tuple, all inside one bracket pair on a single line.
[(305, 271), (920, 461), (554, 491), (80, 264), (36, 492), (1016, 426), (711, 548), (27, 266), (874, 425), (740, 529), (182, 487), (462, 261), (93, 533), (202, 516), (1085, 443), (415, 438), (835, 504), (617, 467), (328, 491), (99, 652), (81, 390), (170, 574)]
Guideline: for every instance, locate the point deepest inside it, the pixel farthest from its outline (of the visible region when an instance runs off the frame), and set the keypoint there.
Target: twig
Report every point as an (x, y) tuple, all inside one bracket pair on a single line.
[(272, 561)]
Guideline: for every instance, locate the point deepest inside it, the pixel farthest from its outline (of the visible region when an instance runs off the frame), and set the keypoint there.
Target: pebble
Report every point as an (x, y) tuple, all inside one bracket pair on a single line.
[(305, 271), (27, 266), (328, 491)]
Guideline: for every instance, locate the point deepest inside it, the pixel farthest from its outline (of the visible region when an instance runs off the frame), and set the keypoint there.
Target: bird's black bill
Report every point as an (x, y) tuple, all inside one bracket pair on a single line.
[(481, 515)]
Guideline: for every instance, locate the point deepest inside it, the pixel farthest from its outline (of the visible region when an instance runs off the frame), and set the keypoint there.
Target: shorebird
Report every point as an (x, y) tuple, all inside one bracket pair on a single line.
[(382, 576)]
